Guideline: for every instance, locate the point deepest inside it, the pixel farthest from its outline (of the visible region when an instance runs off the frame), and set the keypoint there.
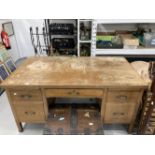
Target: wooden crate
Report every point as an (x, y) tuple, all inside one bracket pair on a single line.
[(74, 119)]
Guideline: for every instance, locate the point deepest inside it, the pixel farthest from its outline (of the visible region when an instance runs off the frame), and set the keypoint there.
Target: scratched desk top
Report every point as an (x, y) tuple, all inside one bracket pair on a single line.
[(78, 72)]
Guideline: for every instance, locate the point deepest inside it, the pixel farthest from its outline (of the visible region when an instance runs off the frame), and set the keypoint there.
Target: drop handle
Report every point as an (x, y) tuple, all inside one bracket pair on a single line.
[(122, 97), (69, 93), (30, 113), (26, 96), (77, 93), (118, 113), (74, 93)]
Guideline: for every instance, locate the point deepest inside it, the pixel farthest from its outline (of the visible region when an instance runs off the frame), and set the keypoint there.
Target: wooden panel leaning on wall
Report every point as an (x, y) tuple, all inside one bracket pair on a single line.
[(111, 79)]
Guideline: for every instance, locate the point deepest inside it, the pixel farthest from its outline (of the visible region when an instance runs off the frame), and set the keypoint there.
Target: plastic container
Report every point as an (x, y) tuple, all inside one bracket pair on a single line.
[(109, 42), (149, 39)]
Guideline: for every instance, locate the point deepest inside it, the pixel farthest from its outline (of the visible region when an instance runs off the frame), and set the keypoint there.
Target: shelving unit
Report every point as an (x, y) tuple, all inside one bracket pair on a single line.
[(84, 37), (123, 21), (85, 40), (63, 39), (126, 52)]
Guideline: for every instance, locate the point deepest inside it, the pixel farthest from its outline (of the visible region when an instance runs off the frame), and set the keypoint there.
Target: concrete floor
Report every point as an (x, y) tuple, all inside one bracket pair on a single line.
[(8, 126)]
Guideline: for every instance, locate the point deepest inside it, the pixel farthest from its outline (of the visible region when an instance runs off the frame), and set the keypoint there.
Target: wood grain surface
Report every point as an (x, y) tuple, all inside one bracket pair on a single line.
[(73, 72)]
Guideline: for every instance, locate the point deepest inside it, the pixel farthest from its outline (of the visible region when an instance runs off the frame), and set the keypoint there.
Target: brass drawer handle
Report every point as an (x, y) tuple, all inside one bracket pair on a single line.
[(69, 93), (23, 96), (122, 97), (118, 113), (77, 93), (74, 92), (30, 113), (26, 96)]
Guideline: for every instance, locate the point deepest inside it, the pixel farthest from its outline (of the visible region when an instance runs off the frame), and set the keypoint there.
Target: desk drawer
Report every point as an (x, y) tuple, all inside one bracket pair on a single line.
[(30, 113), (118, 114), (122, 97), (74, 93), (26, 95)]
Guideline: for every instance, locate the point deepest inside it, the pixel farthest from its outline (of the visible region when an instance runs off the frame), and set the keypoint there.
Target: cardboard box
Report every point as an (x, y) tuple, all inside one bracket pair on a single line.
[(129, 39)]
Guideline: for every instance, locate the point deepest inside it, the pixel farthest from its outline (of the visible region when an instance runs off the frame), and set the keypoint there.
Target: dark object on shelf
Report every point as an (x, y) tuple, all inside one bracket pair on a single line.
[(65, 52), (85, 49), (85, 30), (60, 43), (140, 34), (62, 36), (108, 44), (74, 119), (61, 29), (109, 41)]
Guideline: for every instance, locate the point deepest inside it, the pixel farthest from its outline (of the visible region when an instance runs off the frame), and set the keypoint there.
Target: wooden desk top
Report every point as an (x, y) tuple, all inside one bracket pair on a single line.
[(73, 72)]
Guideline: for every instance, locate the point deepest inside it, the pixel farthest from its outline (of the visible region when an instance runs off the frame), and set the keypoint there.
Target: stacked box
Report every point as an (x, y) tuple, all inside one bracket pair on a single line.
[(129, 41)]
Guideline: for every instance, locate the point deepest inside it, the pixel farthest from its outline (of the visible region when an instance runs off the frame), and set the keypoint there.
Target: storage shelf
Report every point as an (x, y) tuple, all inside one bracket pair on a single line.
[(85, 41), (85, 20), (124, 21), (139, 51), (146, 51), (80, 41), (63, 36)]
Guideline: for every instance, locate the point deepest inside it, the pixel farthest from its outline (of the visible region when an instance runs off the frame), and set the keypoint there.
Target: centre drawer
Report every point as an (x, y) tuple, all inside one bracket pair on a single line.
[(74, 92), (123, 97), (30, 113), (26, 95)]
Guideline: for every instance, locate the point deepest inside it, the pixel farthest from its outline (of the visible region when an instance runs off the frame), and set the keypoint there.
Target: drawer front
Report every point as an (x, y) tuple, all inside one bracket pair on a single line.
[(118, 114), (74, 93), (26, 95), (30, 113), (122, 97)]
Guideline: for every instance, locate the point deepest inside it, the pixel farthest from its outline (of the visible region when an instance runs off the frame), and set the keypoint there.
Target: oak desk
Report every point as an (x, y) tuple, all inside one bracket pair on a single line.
[(111, 79)]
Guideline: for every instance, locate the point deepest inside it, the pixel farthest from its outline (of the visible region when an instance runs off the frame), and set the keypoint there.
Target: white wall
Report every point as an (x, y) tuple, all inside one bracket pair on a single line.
[(22, 32), (14, 48)]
